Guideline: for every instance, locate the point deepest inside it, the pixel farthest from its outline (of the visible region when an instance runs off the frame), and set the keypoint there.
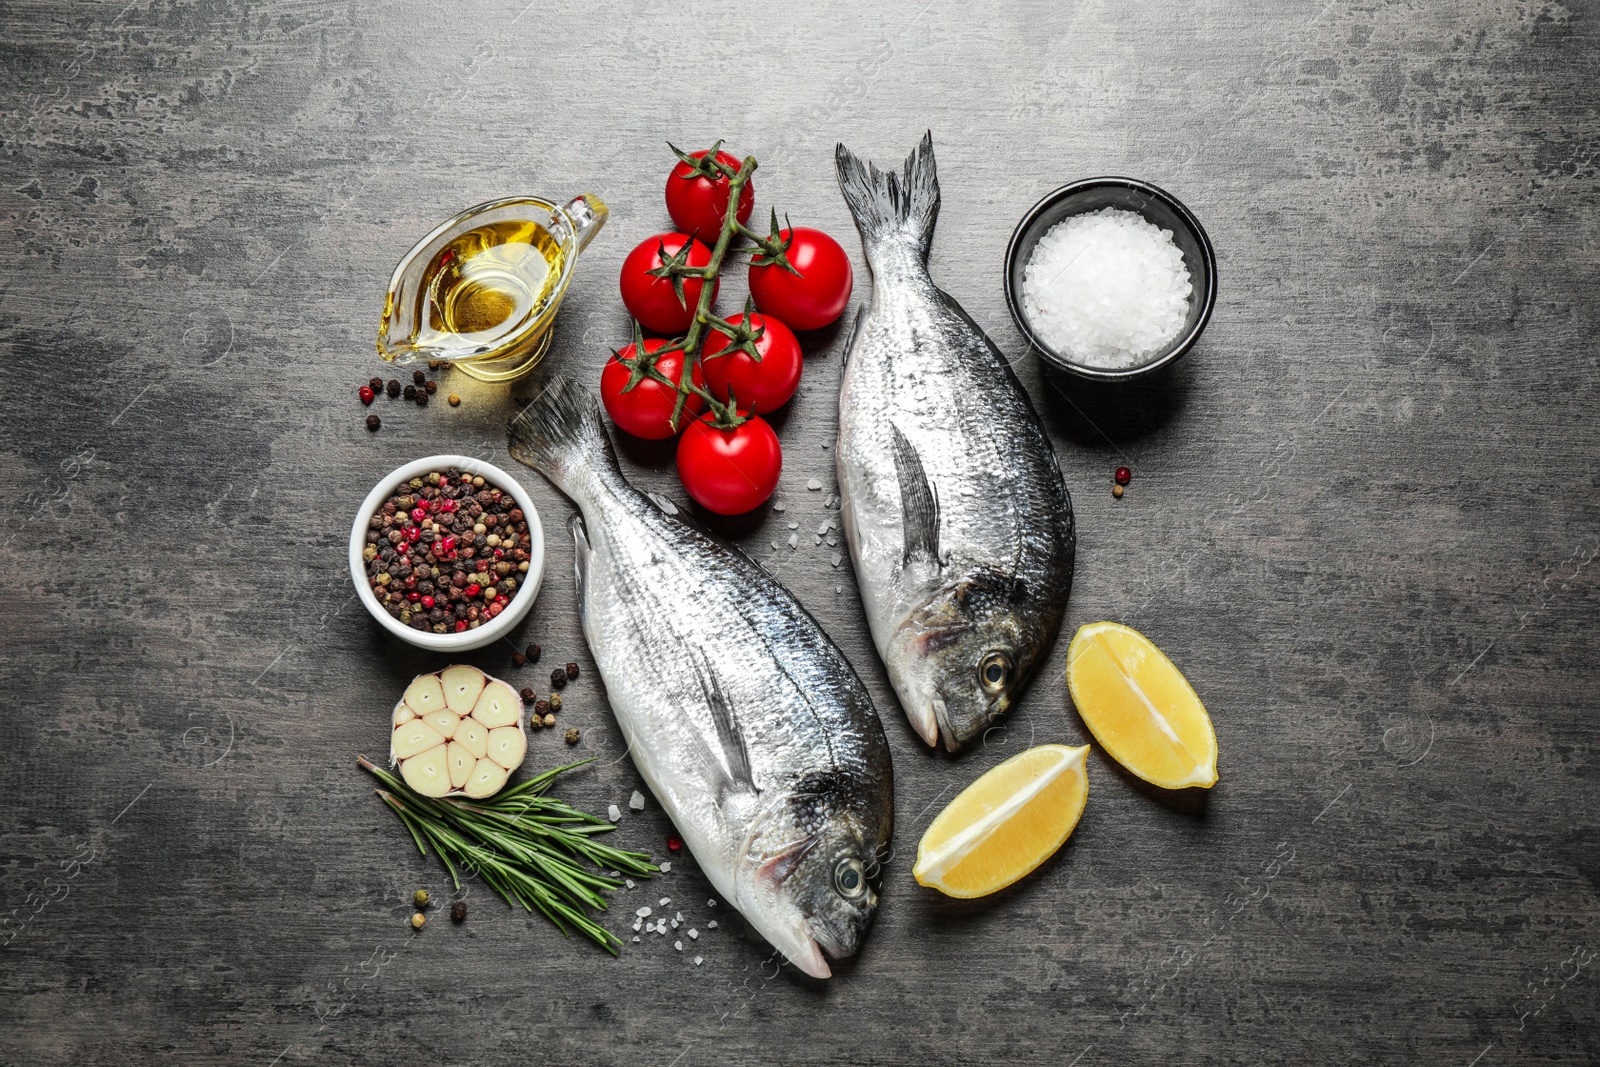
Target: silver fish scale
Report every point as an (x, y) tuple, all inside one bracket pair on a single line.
[(664, 606)]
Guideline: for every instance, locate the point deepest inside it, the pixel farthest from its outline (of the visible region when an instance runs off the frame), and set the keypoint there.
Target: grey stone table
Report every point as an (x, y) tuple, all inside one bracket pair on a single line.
[(1363, 519)]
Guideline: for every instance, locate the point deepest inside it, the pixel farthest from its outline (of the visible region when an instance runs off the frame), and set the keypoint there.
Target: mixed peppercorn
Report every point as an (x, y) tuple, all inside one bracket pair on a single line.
[(446, 552), (419, 391)]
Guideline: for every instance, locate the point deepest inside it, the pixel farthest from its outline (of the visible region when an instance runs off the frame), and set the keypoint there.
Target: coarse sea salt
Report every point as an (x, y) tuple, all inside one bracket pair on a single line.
[(1108, 289)]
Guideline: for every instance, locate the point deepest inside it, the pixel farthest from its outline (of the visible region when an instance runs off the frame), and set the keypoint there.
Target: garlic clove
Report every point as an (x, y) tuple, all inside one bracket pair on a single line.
[(413, 737), (462, 684), (444, 721), (428, 772), (507, 746), (475, 736), (498, 706), (460, 762), (425, 694), (487, 778), (403, 713)]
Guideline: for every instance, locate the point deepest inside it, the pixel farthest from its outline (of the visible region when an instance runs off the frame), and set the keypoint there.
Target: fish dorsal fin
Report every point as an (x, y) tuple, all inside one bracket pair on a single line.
[(919, 506), (731, 763)]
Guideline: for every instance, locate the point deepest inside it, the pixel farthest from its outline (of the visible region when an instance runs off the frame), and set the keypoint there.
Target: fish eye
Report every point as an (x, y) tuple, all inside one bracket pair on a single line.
[(994, 671), (850, 879)]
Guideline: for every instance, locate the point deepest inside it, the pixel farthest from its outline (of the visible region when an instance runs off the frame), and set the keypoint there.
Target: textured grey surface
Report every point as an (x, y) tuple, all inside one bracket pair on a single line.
[(1363, 520)]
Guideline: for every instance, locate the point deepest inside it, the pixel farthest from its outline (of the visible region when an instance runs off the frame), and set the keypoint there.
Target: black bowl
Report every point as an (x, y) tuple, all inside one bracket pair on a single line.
[(1127, 194)]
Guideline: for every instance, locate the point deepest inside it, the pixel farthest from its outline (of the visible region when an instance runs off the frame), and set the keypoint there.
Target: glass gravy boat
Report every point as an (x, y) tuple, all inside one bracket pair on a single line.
[(482, 290)]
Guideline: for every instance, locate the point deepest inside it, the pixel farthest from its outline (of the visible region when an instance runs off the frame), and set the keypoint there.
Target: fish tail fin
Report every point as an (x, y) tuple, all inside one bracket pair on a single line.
[(888, 206), (560, 436)]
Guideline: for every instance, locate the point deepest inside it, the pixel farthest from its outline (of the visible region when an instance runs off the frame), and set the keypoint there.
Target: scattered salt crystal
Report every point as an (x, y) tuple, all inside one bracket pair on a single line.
[(838, 589), (824, 446), (823, 528), (662, 929), (643, 913), (814, 484), (794, 526), (614, 813), (676, 924), (694, 935), (712, 925), (774, 546), (665, 901), (833, 541), (638, 924), (819, 539), (794, 539), (698, 960), (836, 559), (777, 507), (678, 945), (636, 940), (1107, 289), (628, 882), (636, 802), (666, 868), (711, 903), (678, 918)]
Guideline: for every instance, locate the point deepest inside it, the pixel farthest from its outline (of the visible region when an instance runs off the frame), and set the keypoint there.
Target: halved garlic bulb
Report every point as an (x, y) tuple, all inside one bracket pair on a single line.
[(458, 731)]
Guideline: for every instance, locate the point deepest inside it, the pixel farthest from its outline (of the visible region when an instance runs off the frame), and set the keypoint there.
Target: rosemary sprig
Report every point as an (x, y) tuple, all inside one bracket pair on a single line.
[(529, 848)]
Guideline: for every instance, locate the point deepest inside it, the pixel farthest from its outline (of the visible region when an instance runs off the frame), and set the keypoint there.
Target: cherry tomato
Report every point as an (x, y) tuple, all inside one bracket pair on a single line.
[(729, 471), (646, 409), (764, 386), (652, 300), (698, 204), (814, 297)]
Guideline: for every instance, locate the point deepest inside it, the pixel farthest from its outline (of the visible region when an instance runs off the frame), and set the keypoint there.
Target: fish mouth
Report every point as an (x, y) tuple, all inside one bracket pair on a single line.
[(801, 946), (941, 715)]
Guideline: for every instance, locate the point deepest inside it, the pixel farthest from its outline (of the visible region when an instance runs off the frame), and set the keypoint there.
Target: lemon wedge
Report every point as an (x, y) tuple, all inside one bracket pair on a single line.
[(1005, 824), (1140, 707)]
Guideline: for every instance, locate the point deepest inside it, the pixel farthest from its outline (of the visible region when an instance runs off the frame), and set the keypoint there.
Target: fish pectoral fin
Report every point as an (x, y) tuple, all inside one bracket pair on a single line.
[(730, 763), (919, 505)]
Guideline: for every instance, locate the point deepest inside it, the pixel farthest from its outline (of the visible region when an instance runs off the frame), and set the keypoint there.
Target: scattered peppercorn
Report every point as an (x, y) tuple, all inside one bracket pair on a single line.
[(458, 911), (558, 677), (373, 422), (1123, 476), (418, 377), (528, 696), (549, 720), (541, 708), (431, 387), (393, 388), (572, 670), (1116, 491), (366, 394), (674, 843), (555, 701), (376, 385), (518, 659), (533, 650), (409, 392), (573, 735), (422, 398), (418, 921), (455, 400), (420, 898)]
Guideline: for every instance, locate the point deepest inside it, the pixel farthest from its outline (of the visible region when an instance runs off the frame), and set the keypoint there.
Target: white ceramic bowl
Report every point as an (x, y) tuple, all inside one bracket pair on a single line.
[(528, 584)]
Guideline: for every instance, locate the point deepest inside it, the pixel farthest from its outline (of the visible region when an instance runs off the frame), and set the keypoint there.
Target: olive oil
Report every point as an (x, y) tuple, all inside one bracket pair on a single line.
[(486, 284)]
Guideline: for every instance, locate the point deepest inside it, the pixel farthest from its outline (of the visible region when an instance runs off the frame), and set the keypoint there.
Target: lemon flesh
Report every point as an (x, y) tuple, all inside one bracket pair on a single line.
[(1140, 707), (1004, 824)]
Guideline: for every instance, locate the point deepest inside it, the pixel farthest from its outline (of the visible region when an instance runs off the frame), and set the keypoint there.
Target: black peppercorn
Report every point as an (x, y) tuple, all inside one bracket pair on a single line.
[(431, 387), (558, 677), (373, 422), (458, 912), (393, 388), (518, 659), (533, 653), (529, 696), (418, 377), (409, 392), (572, 670), (376, 385), (422, 398), (541, 708)]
